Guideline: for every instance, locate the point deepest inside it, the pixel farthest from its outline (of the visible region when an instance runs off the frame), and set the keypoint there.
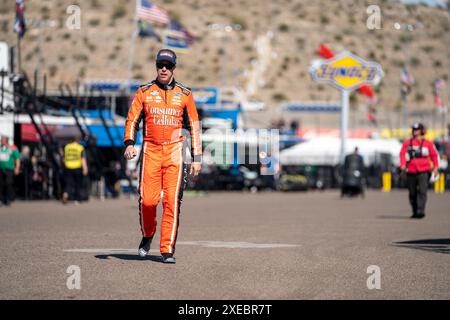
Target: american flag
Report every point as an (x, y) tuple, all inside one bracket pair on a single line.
[(150, 12), (19, 23)]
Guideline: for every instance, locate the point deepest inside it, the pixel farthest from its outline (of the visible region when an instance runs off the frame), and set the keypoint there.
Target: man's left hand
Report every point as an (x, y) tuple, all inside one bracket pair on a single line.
[(16, 171), (195, 168)]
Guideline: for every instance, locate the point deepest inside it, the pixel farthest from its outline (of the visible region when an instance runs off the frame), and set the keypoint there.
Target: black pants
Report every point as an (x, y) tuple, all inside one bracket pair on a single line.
[(417, 186), (74, 183), (6, 186)]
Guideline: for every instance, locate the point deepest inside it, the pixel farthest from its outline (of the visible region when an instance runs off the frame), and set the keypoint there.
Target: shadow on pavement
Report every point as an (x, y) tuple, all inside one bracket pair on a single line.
[(394, 217), (434, 245), (129, 257)]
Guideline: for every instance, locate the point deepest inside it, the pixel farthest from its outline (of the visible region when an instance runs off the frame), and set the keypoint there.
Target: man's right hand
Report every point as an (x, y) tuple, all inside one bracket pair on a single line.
[(130, 152)]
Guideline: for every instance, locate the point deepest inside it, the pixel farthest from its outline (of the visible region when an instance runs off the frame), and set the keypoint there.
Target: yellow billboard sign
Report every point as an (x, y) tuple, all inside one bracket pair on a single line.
[(346, 71)]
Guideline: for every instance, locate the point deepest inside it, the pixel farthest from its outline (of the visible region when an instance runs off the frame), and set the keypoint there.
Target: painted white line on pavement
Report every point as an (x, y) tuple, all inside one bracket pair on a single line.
[(108, 251), (207, 244), (238, 245)]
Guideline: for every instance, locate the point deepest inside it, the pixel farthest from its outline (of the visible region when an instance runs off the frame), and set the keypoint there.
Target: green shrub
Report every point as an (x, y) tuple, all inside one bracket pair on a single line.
[(437, 63), (283, 27), (405, 38), (201, 78), (95, 4), (119, 11), (240, 21), (80, 57), (29, 56), (419, 97), (94, 22), (52, 70), (415, 61), (428, 48), (279, 96), (82, 72), (324, 19)]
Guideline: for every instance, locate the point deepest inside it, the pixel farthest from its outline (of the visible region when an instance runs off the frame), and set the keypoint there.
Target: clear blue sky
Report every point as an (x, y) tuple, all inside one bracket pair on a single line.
[(441, 3)]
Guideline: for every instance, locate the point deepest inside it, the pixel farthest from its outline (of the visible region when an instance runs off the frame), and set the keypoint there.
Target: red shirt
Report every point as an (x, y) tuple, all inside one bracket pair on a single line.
[(421, 162)]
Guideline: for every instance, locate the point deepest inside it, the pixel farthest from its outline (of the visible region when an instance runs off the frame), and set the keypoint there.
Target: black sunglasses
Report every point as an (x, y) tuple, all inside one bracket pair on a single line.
[(168, 65)]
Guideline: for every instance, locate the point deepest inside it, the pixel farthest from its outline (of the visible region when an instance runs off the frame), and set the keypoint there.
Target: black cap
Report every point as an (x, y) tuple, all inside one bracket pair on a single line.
[(417, 126), (166, 55)]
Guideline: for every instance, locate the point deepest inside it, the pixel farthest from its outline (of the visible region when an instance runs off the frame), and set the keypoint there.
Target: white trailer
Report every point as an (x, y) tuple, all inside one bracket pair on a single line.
[(6, 96)]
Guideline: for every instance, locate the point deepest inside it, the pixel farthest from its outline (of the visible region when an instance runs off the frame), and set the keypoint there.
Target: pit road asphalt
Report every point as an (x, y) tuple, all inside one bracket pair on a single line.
[(267, 245)]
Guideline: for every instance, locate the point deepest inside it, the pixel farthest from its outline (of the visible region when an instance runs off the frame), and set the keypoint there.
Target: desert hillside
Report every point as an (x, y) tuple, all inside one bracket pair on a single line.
[(99, 49)]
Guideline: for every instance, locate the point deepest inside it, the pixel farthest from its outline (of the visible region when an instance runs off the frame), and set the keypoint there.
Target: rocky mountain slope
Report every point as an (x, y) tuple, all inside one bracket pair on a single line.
[(99, 49)]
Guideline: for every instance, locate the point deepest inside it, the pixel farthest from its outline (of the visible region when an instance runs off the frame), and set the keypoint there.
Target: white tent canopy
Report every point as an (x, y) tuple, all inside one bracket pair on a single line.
[(325, 151)]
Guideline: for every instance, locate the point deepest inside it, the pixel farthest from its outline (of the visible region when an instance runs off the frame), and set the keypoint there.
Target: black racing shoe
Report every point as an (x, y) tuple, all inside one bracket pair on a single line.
[(168, 258), (418, 216), (144, 246)]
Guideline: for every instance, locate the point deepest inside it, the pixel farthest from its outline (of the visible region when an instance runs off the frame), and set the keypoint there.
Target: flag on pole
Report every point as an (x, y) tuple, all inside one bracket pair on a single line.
[(19, 23), (146, 30), (176, 41), (438, 85), (176, 26), (406, 80), (151, 13), (325, 52), (406, 77), (366, 90)]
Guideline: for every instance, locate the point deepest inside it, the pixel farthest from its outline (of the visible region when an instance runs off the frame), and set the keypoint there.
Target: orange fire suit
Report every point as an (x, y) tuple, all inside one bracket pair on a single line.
[(163, 109)]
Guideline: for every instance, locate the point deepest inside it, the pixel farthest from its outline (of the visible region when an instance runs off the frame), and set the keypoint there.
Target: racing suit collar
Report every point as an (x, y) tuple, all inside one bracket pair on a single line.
[(169, 86)]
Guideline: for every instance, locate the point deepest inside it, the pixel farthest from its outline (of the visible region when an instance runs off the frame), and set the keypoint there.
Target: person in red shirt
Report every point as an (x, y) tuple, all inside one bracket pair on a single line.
[(419, 158), (163, 105)]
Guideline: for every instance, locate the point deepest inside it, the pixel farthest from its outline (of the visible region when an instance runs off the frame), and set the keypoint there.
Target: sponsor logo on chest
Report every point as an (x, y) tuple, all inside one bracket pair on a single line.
[(165, 116)]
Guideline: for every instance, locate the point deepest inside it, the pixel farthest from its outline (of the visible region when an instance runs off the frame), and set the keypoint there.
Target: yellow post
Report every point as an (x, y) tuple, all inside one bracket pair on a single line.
[(442, 184), (386, 179), (439, 185)]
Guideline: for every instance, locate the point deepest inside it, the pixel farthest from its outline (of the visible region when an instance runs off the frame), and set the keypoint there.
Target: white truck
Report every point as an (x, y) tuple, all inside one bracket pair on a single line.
[(6, 96)]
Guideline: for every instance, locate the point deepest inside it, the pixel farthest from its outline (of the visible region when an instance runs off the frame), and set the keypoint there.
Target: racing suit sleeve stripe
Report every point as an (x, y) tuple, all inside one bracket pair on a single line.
[(141, 186), (134, 115), (194, 124), (176, 201)]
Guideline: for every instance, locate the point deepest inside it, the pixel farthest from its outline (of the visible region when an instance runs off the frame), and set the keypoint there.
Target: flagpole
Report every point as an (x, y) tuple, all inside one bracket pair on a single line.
[(19, 59), (131, 50)]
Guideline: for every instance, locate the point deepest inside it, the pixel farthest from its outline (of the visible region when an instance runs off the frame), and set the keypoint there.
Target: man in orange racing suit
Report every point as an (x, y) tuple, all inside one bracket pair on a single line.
[(163, 104)]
